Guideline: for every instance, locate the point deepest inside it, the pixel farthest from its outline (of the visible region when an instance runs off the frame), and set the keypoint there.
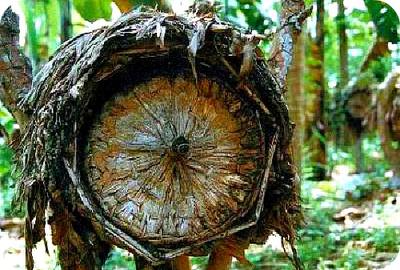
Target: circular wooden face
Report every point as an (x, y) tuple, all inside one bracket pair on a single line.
[(170, 161)]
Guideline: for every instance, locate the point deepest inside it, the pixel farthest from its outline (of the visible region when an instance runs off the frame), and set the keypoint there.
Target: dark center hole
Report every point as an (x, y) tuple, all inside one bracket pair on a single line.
[(180, 145)]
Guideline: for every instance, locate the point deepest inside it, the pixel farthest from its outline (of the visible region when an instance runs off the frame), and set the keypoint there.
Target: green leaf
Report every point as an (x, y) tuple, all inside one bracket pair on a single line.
[(29, 11), (395, 145), (385, 19), (92, 10), (52, 13)]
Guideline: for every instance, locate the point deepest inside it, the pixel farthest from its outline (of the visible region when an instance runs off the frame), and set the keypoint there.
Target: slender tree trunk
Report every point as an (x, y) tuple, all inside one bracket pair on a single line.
[(343, 72), (316, 133), (281, 54), (343, 46), (358, 153), (340, 140), (295, 98), (219, 261)]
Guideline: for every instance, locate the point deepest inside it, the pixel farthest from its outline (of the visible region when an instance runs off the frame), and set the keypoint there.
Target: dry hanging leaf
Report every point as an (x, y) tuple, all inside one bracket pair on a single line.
[(123, 5)]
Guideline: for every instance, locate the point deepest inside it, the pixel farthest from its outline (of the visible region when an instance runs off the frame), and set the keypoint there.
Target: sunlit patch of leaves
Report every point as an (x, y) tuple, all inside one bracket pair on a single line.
[(7, 183), (119, 259)]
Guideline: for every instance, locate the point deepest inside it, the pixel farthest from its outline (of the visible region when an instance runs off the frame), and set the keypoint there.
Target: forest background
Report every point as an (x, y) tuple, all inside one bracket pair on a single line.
[(344, 60)]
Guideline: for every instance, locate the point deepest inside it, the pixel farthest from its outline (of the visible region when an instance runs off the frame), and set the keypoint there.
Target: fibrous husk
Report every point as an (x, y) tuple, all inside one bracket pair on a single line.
[(388, 122), (90, 68), (358, 103)]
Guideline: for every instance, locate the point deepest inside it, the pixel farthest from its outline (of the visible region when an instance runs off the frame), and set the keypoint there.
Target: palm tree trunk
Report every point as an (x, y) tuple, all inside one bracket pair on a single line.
[(343, 72), (316, 132), (295, 98)]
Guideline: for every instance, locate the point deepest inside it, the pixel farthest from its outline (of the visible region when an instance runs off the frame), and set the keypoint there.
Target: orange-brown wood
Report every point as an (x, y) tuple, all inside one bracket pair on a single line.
[(221, 256), (219, 260), (74, 252), (181, 263), (171, 161)]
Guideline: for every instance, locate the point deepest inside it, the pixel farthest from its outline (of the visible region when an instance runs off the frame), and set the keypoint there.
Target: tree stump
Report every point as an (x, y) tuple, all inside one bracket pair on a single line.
[(175, 162), (358, 108), (388, 122), (165, 135)]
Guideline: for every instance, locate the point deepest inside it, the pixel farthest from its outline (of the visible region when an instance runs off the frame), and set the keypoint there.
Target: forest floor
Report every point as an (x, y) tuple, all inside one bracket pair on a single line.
[(351, 222)]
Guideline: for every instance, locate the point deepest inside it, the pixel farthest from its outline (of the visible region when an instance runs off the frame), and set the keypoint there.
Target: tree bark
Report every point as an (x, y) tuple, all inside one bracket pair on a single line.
[(15, 69), (219, 260), (343, 46), (355, 131), (79, 247), (225, 250), (295, 98), (316, 132), (292, 16), (343, 73)]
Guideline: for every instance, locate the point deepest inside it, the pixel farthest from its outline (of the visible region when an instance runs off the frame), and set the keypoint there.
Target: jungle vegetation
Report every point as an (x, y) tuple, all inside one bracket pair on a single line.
[(338, 84)]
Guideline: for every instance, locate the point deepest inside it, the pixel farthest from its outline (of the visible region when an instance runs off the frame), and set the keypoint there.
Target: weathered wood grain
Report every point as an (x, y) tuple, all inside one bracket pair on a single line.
[(173, 161), (15, 68)]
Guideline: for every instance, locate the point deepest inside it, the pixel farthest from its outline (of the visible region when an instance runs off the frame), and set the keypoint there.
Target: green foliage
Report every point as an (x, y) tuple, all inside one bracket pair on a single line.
[(322, 244), (325, 245), (199, 262), (119, 259), (385, 19), (395, 145), (161, 4), (7, 183), (92, 10), (360, 34), (249, 13), (43, 25), (28, 7), (353, 259), (380, 68), (385, 240), (360, 38)]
